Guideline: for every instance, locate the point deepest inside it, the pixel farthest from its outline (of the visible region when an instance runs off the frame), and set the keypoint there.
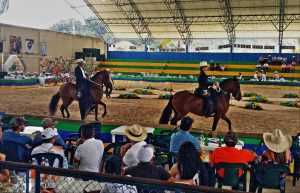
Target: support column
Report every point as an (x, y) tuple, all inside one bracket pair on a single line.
[(187, 52), (146, 50)]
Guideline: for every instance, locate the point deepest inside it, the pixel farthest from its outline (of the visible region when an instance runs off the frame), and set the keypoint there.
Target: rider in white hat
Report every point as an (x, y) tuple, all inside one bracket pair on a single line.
[(84, 97), (202, 90)]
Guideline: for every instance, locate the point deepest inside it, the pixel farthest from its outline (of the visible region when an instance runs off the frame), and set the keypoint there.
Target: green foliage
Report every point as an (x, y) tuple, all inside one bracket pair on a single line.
[(129, 96), (253, 106), (259, 99), (92, 27), (119, 88), (167, 89), (150, 87), (164, 96), (143, 91), (289, 103), (249, 94), (290, 95)]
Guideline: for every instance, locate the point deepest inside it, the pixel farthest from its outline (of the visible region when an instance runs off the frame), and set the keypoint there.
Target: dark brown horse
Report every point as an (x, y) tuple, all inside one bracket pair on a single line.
[(184, 102), (68, 93)]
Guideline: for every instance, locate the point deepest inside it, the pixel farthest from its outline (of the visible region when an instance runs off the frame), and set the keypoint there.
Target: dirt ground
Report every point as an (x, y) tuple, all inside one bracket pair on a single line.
[(147, 111)]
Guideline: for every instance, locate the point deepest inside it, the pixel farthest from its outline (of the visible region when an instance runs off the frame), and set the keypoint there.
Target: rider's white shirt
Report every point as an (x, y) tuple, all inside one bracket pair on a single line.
[(83, 73)]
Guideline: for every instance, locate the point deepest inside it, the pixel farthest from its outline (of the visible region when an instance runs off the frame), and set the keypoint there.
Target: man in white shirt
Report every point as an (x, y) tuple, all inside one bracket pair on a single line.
[(48, 138), (90, 150)]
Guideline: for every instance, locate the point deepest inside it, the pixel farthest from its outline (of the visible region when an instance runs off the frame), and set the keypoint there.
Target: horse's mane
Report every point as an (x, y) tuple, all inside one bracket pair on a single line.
[(95, 75), (226, 80)]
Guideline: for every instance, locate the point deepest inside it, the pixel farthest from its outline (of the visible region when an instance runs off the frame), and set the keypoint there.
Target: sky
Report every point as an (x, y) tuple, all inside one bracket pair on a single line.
[(43, 14)]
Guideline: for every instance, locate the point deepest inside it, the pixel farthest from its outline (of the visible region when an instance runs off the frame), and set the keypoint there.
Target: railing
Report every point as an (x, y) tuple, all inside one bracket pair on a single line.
[(36, 179)]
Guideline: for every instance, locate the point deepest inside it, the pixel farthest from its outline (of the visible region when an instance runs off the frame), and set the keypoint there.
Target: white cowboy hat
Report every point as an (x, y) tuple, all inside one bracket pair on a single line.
[(80, 60), (277, 142), (203, 64), (136, 133)]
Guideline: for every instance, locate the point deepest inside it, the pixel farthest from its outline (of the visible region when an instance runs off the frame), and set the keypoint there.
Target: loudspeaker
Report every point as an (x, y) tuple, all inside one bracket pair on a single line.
[(1, 47)]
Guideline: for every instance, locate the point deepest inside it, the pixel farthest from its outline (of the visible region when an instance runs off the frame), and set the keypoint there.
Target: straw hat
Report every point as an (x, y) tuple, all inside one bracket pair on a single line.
[(275, 72), (80, 60), (203, 64), (136, 133), (277, 142)]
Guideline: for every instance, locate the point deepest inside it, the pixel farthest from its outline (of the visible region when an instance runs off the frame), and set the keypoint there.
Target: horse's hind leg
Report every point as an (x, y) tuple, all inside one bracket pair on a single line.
[(66, 108), (62, 108), (177, 117), (227, 120)]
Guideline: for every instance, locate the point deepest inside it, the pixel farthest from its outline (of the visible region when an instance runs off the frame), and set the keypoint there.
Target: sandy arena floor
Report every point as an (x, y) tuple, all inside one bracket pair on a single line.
[(147, 111)]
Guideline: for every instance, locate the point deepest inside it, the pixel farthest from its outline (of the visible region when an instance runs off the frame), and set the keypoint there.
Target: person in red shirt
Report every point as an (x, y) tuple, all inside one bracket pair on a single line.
[(230, 154)]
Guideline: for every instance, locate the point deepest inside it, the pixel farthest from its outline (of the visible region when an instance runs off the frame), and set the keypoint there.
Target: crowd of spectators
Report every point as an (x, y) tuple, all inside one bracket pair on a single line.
[(137, 158), (216, 66)]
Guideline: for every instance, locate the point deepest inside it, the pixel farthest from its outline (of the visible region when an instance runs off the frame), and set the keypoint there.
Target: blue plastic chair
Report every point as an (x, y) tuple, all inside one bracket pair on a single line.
[(51, 158), (16, 152)]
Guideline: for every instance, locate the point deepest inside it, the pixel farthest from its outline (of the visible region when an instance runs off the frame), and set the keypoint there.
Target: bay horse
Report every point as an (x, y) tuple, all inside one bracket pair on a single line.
[(68, 93), (184, 102)]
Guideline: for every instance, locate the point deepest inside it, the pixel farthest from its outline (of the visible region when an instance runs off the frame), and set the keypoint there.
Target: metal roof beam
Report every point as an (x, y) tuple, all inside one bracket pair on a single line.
[(134, 17), (228, 22), (179, 20), (111, 37), (209, 19)]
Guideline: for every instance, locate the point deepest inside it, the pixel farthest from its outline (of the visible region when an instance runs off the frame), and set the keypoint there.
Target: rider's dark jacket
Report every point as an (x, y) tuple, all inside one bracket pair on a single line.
[(203, 81), (80, 80)]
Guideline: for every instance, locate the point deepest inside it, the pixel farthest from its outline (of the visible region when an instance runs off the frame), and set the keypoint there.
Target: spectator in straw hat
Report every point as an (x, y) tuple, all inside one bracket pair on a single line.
[(278, 148), (276, 75), (136, 135), (49, 123)]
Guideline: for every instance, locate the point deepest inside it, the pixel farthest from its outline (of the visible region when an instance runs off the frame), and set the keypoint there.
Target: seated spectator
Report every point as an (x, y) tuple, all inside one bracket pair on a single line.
[(283, 67), (212, 66), (49, 123), (183, 135), (276, 75), (136, 135), (188, 164), (218, 67), (4, 173), (47, 146), (230, 154), (15, 135), (278, 148), (281, 79), (145, 167), (265, 66), (240, 76), (222, 67), (258, 66), (130, 159), (263, 76), (289, 68), (255, 76), (294, 60), (89, 151), (113, 166)]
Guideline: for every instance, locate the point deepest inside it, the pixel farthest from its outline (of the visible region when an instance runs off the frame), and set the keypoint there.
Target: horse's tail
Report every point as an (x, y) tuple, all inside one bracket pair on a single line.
[(166, 114), (53, 103)]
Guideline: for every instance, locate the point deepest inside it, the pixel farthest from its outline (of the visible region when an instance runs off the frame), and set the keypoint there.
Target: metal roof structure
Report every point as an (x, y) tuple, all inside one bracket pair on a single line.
[(195, 19)]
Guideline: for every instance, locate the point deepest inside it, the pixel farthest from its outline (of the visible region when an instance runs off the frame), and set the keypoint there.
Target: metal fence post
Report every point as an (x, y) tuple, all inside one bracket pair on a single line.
[(27, 181), (37, 182)]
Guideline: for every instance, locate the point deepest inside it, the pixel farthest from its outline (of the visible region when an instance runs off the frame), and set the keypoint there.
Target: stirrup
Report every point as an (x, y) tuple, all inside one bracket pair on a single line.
[(79, 94)]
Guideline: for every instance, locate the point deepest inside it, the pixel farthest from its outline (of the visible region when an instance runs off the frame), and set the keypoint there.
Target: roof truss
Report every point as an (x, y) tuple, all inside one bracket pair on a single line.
[(134, 17), (179, 20)]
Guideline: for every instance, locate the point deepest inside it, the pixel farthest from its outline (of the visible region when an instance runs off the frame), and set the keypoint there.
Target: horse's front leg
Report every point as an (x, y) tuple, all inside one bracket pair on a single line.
[(227, 120), (96, 112), (104, 106), (216, 120)]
